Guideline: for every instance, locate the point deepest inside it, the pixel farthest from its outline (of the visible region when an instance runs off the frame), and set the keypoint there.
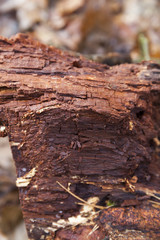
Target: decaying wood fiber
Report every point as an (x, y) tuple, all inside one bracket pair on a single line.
[(90, 128)]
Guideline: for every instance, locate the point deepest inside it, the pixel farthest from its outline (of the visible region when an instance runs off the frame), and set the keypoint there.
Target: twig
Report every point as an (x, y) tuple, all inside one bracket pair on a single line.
[(154, 202), (93, 230), (80, 199), (153, 195)]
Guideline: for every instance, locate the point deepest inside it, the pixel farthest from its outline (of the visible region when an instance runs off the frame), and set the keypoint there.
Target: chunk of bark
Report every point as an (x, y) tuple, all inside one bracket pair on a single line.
[(92, 128)]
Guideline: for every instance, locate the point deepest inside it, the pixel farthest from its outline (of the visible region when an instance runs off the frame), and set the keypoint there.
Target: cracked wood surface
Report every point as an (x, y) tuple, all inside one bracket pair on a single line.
[(88, 126)]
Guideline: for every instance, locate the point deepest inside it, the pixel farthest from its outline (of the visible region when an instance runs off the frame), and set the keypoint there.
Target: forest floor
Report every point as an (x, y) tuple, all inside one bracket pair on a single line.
[(11, 221)]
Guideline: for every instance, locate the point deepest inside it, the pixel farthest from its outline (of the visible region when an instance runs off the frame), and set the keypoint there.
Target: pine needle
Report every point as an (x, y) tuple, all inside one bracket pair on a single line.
[(80, 199), (154, 202), (153, 195)]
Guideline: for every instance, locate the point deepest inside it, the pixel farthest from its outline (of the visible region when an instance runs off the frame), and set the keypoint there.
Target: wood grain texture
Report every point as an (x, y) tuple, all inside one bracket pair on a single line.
[(88, 126)]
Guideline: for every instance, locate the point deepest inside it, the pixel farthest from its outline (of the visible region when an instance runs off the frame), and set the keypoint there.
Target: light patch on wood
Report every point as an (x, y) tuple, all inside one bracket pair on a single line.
[(156, 141), (27, 114), (25, 180), (50, 229), (42, 237), (27, 199), (89, 207), (131, 125), (74, 221), (85, 216), (75, 177), (14, 144), (60, 224), (47, 108), (2, 128), (32, 220)]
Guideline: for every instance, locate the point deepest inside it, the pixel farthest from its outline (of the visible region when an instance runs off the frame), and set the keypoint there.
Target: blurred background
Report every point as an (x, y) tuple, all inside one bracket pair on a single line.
[(107, 31)]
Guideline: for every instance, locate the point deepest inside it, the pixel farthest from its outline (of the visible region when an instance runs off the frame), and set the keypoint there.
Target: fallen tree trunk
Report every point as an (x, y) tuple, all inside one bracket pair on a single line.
[(85, 140)]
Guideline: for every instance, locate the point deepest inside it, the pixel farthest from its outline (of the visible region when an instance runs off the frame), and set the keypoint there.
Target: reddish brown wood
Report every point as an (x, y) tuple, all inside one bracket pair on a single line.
[(88, 126)]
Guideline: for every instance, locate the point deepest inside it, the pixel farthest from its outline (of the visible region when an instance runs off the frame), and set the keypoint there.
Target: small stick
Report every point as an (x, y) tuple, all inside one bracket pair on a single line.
[(153, 195), (154, 202), (80, 199)]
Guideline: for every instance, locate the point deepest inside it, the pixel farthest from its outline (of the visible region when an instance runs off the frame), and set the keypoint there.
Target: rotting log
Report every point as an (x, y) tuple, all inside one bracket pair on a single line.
[(83, 128)]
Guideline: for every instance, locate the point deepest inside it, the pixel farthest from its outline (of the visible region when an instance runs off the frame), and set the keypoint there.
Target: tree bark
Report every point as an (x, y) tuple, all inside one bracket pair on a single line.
[(83, 128)]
